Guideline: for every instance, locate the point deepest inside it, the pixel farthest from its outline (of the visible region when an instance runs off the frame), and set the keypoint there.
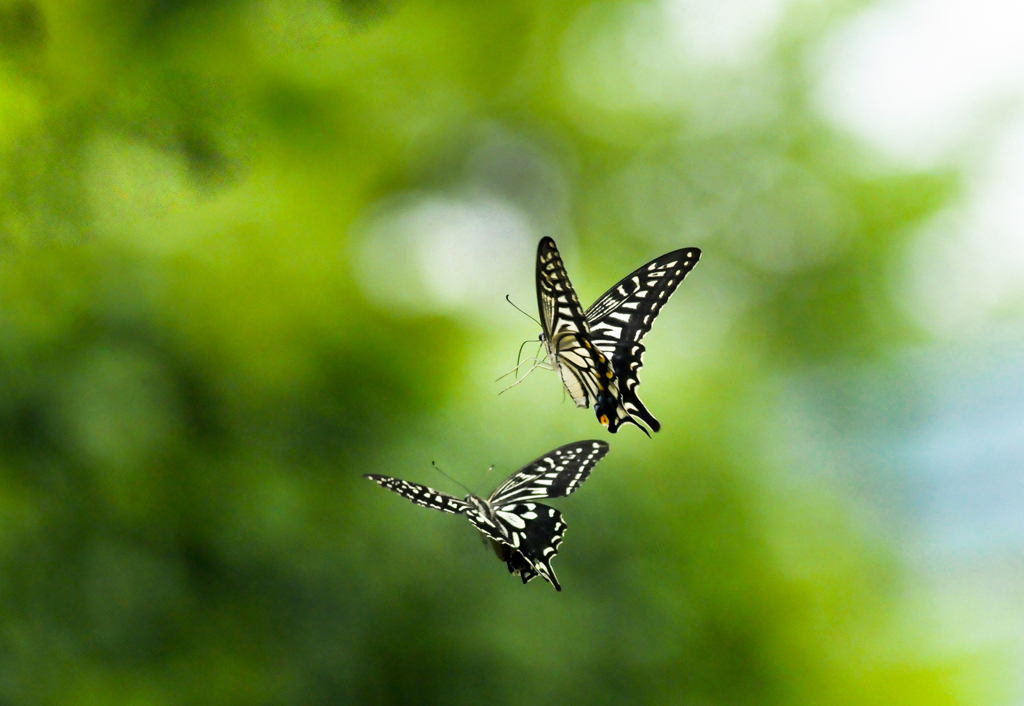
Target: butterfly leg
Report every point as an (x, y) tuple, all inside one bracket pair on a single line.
[(516, 369), (536, 364), (533, 358)]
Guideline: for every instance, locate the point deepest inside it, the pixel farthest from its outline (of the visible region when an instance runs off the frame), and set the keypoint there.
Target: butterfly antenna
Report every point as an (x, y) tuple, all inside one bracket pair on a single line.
[(438, 469), (522, 312), (483, 479)]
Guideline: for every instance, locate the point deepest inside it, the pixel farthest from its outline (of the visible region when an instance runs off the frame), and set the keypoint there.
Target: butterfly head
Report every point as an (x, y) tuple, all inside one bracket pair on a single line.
[(479, 504)]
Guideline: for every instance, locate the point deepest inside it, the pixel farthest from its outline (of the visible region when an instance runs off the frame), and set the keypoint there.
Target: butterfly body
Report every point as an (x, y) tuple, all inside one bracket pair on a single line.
[(523, 533), (597, 352)]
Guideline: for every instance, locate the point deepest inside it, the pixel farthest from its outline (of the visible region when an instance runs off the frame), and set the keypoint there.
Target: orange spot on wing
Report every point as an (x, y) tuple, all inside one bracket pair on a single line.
[(604, 420)]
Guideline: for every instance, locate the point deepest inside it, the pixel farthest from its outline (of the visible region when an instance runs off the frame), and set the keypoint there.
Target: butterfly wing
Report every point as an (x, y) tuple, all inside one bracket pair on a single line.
[(623, 316), (535, 532), (555, 474), (566, 334), (516, 562), (528, 533), (560, 309), (520, 565), (421, 494)]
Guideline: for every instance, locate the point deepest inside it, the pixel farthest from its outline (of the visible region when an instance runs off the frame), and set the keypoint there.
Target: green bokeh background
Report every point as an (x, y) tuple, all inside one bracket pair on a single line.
[(199, 359)]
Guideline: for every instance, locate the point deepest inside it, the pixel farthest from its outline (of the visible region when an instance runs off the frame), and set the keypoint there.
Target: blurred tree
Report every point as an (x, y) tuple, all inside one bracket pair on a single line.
[(196, 367)]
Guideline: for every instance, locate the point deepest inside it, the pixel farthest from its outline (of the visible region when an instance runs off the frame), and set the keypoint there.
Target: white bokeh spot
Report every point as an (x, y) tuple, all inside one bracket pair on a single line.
[(930, 84), (435, 254), (915, 78), (967, 266)]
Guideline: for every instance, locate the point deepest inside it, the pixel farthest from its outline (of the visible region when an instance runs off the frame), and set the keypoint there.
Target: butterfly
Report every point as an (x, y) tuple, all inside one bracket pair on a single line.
[(598, 354), (523, 533)]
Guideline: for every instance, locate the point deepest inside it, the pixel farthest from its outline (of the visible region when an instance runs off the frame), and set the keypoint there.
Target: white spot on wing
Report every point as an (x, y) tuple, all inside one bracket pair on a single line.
[(513, 519)]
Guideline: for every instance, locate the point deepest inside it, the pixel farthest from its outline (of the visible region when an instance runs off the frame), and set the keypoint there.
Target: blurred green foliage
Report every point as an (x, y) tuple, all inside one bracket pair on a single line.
[(193, 378)]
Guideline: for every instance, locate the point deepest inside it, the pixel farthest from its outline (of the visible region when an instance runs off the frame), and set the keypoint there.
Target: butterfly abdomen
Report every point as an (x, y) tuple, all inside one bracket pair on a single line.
[(604, 407)]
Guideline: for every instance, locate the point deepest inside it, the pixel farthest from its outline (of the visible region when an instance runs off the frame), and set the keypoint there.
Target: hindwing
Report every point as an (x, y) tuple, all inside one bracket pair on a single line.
[(536, 531), (517, 563)]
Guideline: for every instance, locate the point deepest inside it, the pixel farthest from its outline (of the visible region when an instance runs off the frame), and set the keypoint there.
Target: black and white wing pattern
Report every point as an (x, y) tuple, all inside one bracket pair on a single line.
[(533, 533), (585, 371), (421, 494), (598, 353), (554, 475), (620, 319), (524, 534), (535, 530)]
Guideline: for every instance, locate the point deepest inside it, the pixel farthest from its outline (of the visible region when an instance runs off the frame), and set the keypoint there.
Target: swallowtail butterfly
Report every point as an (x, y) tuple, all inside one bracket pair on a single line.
[(523, 533), (598, 354)]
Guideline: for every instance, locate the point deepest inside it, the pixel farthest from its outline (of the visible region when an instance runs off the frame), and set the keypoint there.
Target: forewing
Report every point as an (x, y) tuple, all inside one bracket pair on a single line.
[(633, 303), (566, 332), (560, 309), (535, 531), (620, 319), (421, 494), (553, 475)]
